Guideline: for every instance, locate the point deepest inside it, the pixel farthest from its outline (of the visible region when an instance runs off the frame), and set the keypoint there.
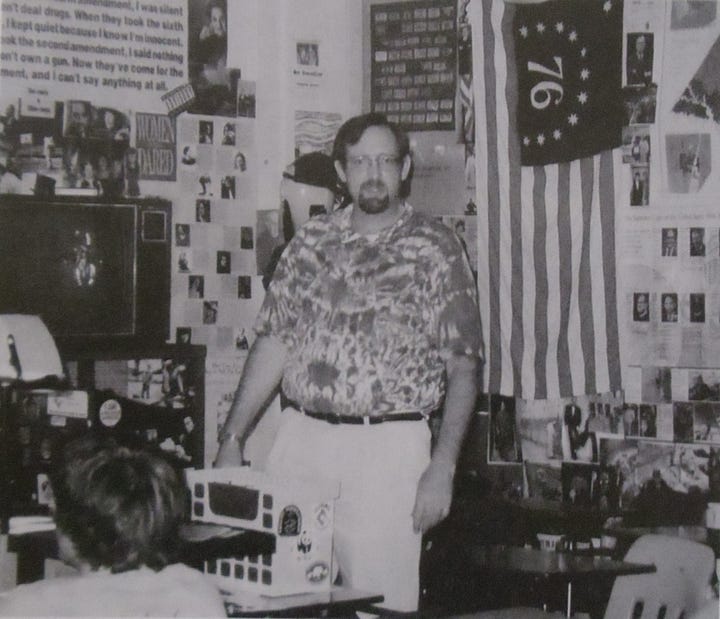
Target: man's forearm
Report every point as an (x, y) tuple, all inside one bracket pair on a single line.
[(260, 378), (461, 393)]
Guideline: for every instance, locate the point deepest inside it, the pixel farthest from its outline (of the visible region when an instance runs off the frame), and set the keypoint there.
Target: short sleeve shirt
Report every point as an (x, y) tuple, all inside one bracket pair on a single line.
[(369, 321)]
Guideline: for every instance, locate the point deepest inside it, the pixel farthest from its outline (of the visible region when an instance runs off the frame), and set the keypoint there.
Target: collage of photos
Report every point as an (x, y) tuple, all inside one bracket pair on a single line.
[(640, 98), (81, 149), (215, 241), (669, 308)]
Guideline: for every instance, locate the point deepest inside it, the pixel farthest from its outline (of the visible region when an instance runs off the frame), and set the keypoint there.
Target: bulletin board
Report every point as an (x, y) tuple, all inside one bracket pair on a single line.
[(413, 63)]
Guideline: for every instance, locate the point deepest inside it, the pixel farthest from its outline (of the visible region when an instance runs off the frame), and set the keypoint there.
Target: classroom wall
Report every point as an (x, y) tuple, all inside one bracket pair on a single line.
[(125, 56)]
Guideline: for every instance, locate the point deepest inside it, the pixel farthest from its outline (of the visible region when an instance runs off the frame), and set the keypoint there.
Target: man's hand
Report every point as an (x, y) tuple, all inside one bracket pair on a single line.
[(434, 495)]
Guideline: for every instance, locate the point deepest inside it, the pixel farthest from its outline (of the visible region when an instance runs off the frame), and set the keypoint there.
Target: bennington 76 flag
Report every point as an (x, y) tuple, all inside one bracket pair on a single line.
[(548, 118)]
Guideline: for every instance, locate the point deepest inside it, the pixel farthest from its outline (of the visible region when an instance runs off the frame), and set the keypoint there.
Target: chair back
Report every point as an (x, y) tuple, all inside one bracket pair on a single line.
[(680, 584)]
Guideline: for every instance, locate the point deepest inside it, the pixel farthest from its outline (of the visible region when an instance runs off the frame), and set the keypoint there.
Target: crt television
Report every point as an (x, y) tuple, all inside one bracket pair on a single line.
[(98, 273)]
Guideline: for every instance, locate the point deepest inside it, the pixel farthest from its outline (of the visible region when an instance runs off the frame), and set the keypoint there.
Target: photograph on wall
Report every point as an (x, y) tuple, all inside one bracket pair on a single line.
[(503, 436), (543, 481), (578, 442), (699, 99), (214, 83), (706, 422), (577, 483), (196, 286), (639, 60), (636, 145), (156, 147), (307, 53), (145, 380), (640, 188), (245, 105), (244, 287), (656, 384), (686, 14), (183, 335), (689, 161), (315, 131), (683, 422), (640, 104)]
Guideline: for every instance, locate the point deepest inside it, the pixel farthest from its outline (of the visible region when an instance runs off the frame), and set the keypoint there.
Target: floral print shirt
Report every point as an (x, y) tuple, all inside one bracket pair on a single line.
[(369, 321)]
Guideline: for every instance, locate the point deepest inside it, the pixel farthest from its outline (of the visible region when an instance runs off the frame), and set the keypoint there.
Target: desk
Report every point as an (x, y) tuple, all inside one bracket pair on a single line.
[(339, 601), (559, 566)]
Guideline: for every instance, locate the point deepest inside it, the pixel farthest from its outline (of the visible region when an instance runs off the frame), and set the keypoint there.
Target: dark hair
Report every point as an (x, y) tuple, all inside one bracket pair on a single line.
[(352, 131), (120, 506)]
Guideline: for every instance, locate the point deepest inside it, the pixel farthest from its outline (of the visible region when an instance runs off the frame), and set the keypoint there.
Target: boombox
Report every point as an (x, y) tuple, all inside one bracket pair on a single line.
[(299, 513)]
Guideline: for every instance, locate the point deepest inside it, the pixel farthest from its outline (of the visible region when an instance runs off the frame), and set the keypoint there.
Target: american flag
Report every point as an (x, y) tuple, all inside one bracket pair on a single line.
[(546, 229)]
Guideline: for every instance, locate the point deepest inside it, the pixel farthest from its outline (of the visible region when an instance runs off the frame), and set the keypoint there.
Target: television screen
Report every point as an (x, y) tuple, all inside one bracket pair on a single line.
[(74, 264)]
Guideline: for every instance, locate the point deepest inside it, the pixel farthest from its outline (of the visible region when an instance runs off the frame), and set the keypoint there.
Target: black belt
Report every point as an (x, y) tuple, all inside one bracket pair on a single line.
[(336, 418)]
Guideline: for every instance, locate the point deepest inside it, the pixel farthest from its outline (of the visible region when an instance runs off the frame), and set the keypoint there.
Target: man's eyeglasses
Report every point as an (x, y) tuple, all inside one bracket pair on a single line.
[(365, 162)]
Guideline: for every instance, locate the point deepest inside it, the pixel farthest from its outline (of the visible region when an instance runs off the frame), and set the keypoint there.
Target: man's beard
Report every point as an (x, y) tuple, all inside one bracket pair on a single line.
[(373, 197)]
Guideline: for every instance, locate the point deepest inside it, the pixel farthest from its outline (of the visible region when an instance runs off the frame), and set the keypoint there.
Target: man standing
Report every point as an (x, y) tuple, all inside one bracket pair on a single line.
[(371, 324)]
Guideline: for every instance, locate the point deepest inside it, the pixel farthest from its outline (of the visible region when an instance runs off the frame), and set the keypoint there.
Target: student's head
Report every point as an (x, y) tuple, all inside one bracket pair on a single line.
[(240, 163), (669, 303), (641, 303), (115, 507), (372, 158)]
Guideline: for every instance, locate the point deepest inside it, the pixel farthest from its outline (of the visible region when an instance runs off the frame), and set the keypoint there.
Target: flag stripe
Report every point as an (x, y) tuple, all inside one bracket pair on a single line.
[(542, 291), (482, 159), (597, 274), (564, 275), (608, 163), (575, 324), (529, 283), (586, 302), (492, 246), (515, 210), (552, 254)]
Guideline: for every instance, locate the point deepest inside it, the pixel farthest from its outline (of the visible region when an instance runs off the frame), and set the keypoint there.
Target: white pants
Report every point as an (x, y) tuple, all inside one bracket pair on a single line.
[(378, 467)]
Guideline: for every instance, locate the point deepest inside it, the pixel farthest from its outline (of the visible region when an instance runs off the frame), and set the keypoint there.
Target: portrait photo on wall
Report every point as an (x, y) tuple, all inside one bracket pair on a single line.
[(639, 190), (669, 242), (503, 437), (641, 306), (697, 307), (182, 235), (669, 307), (639, 61), (244, 287), (307, 54), (697, 242), (223, 262)]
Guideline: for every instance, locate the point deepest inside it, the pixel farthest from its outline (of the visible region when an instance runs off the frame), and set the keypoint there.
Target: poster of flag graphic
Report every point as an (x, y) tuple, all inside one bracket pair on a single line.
[(546, 272)]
